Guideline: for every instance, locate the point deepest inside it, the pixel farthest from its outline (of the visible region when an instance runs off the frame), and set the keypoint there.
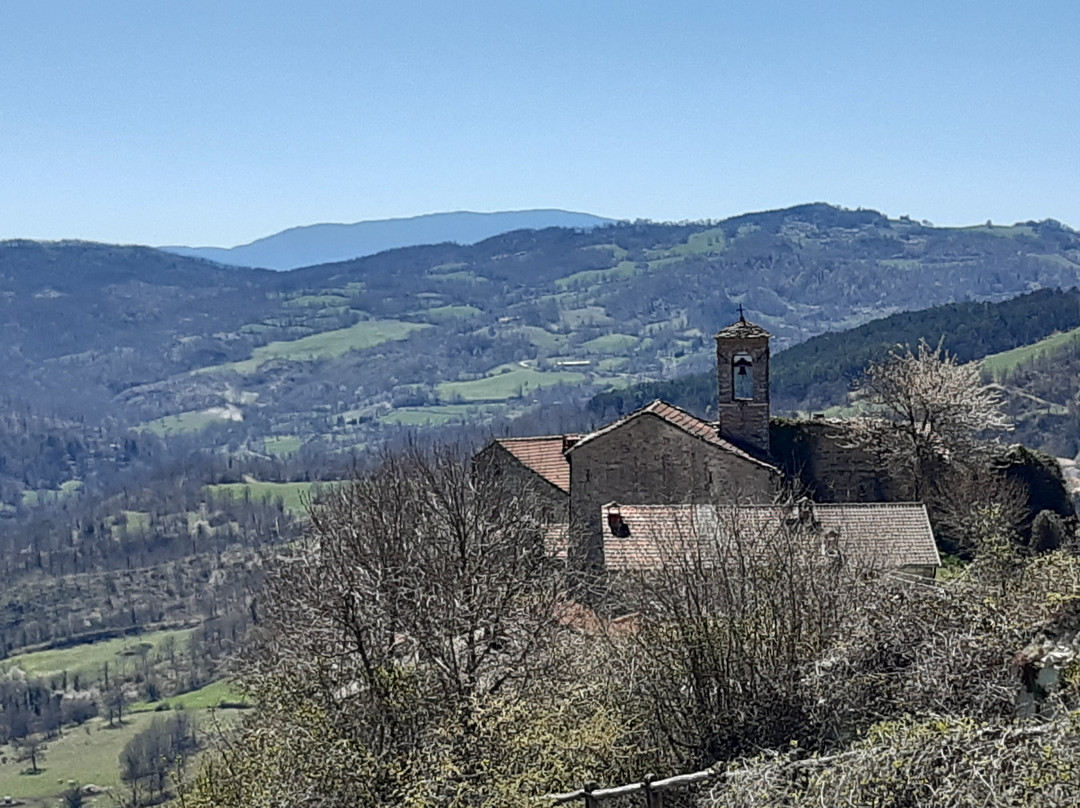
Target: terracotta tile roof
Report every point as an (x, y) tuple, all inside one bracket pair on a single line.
[(742, 329), (544, 455), (687, 422), (894, 534), (886, 535)]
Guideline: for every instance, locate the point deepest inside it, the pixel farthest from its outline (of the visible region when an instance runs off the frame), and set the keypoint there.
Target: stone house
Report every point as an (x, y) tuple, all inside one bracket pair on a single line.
[(661, 455)]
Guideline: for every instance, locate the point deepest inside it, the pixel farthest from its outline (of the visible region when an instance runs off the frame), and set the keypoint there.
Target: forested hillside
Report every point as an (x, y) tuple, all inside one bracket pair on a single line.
[(348, 355), (165, 420), (1036, 369)]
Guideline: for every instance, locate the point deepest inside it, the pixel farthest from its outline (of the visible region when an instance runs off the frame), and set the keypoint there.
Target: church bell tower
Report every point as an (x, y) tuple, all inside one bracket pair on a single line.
[(742, 371)]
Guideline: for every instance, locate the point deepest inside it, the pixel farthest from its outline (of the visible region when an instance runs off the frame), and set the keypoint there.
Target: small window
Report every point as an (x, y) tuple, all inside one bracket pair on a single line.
[(742, 376)]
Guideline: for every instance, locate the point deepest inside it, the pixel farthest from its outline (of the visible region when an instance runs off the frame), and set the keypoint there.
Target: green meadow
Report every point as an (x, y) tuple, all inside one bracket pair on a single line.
[(999, 364), (317, 301), (611, 344), (295, 495), (452, 314), (324, 345), (184, 422), (89, 754), (88, 660), (213, 695), (434, 415), (282, 444), (41, 496), (505, 382)]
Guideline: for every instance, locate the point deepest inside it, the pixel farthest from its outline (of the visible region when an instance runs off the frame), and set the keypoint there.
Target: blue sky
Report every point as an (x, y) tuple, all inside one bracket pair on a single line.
[(199, 123)]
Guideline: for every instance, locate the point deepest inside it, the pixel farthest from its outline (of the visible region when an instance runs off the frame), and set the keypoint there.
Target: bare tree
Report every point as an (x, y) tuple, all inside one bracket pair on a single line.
[(31, 748), (745, 600), (962, 497), (409, 650), (925, 408)]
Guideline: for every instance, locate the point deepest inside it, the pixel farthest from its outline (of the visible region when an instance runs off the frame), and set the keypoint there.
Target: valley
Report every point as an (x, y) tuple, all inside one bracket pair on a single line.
[(166, 420)]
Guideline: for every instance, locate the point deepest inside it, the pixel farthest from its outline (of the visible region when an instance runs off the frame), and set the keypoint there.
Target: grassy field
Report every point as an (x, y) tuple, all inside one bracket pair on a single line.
[(460, 275), (591, 277), (443, 269), (87, 754), (181, 423), (610, 365), (213, 695), (295, 495), (589, 315), (282, 444), (611, 344), (452, 314), (88, 660), (542, 338), (42, 496), (135, 521), (703, 243), (325, 345), (440, 414), (506, 381), (997, 365), (317, 301)]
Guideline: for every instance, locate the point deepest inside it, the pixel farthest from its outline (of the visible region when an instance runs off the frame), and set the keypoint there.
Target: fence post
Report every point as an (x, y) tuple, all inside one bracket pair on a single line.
[(590, 800), (653, 798)]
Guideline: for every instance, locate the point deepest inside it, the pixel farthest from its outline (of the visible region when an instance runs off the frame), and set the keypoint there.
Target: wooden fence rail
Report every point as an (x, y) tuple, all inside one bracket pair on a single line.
[(653, 789)]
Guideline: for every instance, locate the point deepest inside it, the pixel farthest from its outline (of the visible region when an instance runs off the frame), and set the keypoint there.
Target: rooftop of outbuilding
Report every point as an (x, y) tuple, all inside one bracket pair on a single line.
[(879, 534), (544, 455)]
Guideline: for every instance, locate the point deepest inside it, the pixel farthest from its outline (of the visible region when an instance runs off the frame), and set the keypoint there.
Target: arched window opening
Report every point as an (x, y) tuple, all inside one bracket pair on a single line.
[(742, 376)]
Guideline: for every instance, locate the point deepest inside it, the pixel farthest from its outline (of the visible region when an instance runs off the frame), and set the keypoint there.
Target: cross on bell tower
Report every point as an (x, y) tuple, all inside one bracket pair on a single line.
[(742, 373)]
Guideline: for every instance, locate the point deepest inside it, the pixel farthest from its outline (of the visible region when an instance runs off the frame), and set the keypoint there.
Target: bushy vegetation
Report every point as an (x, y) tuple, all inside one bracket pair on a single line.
[(155, 755), (501, 688), (111, 536)]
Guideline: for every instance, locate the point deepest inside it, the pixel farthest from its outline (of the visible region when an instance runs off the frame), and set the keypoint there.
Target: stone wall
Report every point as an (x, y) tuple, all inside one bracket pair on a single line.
[(497, 461), (813, 454), (648, 461), (814, 457)]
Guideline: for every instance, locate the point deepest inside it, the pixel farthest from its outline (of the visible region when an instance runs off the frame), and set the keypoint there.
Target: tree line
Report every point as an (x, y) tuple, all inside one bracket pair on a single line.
[(422, 647), (819, 373)]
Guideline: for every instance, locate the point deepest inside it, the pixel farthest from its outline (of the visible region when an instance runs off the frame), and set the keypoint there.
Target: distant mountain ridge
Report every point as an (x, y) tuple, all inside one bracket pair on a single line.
[(330, 243), (349, 354)]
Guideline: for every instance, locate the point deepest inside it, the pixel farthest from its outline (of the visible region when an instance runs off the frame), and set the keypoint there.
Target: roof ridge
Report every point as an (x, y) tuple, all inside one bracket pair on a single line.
[(544, 456), (652, 408), (538, 437), (683, 411), (905, 504)]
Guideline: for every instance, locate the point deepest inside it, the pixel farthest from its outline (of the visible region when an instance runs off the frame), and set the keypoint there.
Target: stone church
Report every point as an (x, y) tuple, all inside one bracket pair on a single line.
[(660, 460)]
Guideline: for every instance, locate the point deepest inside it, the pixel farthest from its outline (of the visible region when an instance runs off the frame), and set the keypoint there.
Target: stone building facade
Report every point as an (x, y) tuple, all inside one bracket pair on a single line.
[(663, 455), (659, 454)]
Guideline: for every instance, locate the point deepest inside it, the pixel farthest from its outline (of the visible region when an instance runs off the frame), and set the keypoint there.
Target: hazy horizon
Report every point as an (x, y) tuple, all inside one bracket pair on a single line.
[(219, 124)]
